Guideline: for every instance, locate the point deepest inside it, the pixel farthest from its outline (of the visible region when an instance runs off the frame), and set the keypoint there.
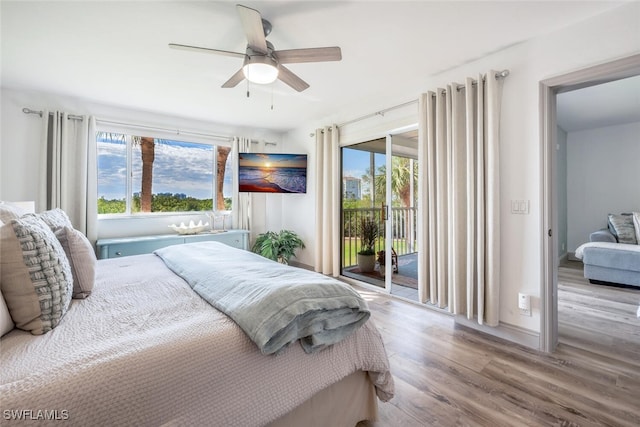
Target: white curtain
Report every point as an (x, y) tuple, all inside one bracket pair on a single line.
[(68, 173), (459, 141), (241, 202), (327, 201)]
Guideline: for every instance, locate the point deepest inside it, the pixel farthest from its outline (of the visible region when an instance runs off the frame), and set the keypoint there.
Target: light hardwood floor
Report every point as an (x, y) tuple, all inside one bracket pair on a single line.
[(450, 376), (601, 318)]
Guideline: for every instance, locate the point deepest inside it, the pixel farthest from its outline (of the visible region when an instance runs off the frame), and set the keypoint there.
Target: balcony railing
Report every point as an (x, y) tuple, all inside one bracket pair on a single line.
[(403, 229)]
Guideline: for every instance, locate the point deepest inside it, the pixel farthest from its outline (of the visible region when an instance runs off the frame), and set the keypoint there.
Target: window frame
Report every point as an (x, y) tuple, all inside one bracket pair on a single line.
[(186, 137)]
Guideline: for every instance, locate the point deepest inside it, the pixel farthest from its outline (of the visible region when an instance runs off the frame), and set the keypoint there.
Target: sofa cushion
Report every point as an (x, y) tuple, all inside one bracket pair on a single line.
[(611, 255), (603, 235), (621, 226)]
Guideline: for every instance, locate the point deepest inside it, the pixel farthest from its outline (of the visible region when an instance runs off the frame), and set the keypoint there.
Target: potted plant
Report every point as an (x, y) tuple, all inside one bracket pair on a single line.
[(278, 246), (368, 233)]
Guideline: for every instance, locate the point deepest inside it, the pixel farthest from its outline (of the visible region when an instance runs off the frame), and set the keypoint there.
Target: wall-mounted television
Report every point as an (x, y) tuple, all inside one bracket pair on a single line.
[(272, 173)]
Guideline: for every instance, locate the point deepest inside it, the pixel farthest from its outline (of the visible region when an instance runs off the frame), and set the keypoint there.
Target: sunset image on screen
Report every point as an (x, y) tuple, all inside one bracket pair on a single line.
[(272, 173)]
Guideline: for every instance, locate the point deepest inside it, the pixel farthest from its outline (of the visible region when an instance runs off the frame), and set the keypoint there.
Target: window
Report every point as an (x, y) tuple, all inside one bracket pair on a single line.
[(142, 174)]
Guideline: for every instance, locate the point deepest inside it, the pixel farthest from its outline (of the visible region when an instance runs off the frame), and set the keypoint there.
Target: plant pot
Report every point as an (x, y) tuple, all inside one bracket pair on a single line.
[(366, 263), (382, 270)]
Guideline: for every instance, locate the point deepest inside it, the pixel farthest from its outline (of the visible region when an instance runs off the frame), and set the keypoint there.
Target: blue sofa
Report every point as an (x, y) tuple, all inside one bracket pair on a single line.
[(606, 260)]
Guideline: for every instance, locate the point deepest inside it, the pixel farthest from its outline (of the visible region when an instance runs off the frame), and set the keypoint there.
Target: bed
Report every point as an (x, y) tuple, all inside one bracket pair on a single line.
[(145, 349)]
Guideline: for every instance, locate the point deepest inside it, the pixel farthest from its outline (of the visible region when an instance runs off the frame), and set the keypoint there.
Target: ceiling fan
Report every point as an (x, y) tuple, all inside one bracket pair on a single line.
[(262, 63)]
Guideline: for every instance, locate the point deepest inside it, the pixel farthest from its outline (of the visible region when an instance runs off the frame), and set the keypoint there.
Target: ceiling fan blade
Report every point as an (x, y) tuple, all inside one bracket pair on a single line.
[(253, 29), (234, 80), (205, 50), (291, 79), (314, 54)]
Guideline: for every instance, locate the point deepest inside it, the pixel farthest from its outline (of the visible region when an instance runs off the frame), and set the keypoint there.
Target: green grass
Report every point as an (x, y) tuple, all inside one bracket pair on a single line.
[(352, 245)]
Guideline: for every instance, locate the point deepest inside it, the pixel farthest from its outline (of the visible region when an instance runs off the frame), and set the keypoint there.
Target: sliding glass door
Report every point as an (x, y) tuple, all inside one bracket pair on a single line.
[(362, 217), (379, 196)]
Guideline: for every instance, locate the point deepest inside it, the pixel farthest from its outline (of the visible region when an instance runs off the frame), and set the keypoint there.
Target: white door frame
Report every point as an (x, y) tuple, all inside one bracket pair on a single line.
[(549, 88), (388, 278)]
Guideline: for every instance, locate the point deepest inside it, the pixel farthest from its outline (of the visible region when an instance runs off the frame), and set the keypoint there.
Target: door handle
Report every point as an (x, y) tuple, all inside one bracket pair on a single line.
[(385, 212)]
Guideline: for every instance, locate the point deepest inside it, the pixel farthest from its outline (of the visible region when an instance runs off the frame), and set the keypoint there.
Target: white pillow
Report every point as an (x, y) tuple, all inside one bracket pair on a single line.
[(636, 225), (6, 322), (9, 212)]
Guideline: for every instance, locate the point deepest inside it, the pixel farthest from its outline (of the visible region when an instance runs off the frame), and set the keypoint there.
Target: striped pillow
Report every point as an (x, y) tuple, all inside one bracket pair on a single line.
[(621, 226), (35, 275)]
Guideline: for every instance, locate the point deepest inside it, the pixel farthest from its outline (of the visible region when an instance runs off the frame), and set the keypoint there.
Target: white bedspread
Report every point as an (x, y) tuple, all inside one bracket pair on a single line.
[(144, 349)]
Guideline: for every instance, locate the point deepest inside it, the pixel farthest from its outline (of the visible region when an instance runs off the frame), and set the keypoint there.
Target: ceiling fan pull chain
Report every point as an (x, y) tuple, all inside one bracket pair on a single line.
[(271, 97), (248, 83)]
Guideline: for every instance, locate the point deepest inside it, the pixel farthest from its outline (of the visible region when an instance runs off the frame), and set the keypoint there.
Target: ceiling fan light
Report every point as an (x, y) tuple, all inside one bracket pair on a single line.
[(260, 70)]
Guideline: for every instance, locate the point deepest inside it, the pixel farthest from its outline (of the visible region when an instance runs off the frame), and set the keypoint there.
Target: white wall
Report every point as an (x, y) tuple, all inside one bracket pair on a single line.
[(602, 177), (603, 38), (562, 192), (20, 148)]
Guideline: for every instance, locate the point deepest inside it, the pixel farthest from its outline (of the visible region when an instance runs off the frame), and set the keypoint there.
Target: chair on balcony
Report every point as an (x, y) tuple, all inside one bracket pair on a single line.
[(394, 259)]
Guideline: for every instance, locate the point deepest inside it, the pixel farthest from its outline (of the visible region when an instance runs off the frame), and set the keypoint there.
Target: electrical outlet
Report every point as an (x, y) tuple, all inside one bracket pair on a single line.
[(524, 304), (524, 312)]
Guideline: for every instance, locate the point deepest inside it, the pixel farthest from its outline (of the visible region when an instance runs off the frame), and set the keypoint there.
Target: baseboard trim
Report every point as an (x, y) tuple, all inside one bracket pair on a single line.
[(300, 265), (507, 332), (571, 256), (563, 258), (512, 333)]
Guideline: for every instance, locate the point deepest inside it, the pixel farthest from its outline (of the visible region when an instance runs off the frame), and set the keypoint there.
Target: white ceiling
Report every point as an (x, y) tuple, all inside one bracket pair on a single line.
[(116, 52), (606, 104)]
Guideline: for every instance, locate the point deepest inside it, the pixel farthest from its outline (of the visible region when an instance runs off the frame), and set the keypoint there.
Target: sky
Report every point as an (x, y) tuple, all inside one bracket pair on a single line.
[(356, 162), (169, 172)]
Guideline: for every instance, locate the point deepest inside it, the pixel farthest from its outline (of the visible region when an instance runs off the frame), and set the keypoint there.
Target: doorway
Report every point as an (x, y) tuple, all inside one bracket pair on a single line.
[(549, 89), (379, 191)]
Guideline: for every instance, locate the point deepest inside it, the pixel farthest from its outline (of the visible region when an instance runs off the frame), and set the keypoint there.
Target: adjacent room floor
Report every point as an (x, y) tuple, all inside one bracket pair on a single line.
[(601, 318)]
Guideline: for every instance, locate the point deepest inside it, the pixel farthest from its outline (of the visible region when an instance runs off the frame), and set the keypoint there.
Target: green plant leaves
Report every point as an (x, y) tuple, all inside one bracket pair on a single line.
[(275, 246)]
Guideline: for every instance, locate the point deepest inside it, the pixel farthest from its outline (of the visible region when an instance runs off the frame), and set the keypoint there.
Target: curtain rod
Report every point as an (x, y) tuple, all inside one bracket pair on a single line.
[(40, 113), (257, 141), (176, 131), (499, 75)]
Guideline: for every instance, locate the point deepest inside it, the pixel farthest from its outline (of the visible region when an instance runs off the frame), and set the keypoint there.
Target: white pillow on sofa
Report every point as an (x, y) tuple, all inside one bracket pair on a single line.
[(636, 225)]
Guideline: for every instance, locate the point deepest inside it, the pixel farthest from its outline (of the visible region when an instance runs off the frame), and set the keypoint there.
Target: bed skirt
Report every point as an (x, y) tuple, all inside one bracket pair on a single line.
[(342, 404)]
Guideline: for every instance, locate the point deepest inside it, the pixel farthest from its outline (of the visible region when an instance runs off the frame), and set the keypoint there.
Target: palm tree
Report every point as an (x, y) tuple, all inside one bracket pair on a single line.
[(221, 165), (147, 148), (400, 180), (400, 188)]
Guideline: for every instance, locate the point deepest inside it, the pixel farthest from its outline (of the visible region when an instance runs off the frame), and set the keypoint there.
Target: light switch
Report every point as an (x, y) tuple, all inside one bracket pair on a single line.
[(520, 207)]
